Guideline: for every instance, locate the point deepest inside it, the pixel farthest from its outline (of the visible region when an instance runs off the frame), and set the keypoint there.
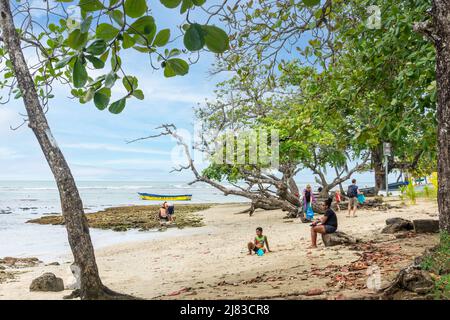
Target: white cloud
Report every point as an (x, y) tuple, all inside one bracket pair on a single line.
[(7, 154), (110, 147)]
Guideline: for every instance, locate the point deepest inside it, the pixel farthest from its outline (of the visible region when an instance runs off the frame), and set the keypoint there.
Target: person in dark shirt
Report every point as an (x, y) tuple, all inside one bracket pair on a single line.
[(326, 224), (352, 194), (308, 199)]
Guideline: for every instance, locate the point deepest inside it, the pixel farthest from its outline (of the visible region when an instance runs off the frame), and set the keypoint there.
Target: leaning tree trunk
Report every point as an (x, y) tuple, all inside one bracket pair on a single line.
[(441, 22), (379, 171), (71, 204)]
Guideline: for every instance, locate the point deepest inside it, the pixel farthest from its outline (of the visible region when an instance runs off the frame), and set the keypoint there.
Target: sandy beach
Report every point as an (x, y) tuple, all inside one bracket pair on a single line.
[(214, 264)]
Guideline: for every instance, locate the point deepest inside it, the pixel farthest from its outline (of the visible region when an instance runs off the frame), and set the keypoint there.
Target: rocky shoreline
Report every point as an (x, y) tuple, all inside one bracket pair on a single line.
[(134, 217)]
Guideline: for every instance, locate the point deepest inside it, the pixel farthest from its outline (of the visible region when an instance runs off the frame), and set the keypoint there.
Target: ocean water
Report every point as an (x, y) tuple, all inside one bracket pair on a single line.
[(24, 200)]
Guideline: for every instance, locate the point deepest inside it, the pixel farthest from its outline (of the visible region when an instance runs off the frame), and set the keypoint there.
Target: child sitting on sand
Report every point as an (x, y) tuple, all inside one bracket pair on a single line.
[(259, 243)]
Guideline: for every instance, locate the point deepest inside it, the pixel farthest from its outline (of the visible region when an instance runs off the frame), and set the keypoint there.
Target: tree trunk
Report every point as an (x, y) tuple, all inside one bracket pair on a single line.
[(379, 170), (441, 21), (71, 204)]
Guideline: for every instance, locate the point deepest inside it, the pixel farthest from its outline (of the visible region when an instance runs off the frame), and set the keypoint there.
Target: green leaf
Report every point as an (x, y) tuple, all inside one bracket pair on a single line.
[(89, 94), (144, 25), (311, 3), (130, 83), (80, 75), (168, 71), (117, 16), (86, 24), (106, 31), (77, 39), (194, 37), (199, 2), (171, 3), (110, 79), (187, 4), (63, 62), (97, 47), (90, 5), (117, 106), (179, 66), (135, 8), (101, 98), (96, 62), (162, 38), (216, 39), (128, 41), (138, 94)]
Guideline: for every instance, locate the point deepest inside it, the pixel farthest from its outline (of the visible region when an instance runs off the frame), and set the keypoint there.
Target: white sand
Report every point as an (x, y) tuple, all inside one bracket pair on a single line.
[(151, 269)]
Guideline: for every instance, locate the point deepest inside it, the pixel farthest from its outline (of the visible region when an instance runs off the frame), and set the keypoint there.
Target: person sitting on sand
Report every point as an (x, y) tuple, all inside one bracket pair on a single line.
[(163, 212), (326, 224), (260, 242)]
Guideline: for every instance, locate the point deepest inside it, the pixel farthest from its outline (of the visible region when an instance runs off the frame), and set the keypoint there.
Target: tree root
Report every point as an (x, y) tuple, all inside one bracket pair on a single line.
[(104, 294)]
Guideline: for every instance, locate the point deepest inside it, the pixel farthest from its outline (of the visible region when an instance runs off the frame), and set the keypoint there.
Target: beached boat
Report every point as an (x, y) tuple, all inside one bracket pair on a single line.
[(165, 197)]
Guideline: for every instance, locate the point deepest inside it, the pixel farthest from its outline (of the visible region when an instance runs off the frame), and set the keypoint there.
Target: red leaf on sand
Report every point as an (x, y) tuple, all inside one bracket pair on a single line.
[(175, 293)]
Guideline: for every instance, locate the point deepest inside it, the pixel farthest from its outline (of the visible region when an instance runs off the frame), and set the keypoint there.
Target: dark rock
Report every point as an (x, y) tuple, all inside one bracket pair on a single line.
[(426, 226), (396, 220), (394, 225), (418, 281), (2, 268), (337, 238), (47, 282), (53, 264)]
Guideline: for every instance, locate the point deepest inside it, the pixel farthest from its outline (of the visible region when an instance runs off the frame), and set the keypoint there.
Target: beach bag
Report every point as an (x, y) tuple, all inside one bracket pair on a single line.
[(309, 213), (361, 198), (352, 191)]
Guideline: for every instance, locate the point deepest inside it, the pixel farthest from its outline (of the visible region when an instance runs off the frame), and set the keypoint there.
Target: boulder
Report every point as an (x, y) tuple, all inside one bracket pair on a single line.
[(337, 238), (426, 226), (47, 282), (396, 220), (394, 225)]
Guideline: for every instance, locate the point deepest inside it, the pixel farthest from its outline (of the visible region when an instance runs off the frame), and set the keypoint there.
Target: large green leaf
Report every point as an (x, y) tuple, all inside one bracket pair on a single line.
[(80, 75), (101, 98), (90, 5), (128, 41), (77, 39), (216, 39), (96, 62), (97, 47), (110, 79), (194, 39), (117, 106), (162, 38), (63, 62), (130, 83), (311, 3), (178, 66), (171, 3), (106, 31), (198, 2), (144, 30), (135, 8), (138, 94)]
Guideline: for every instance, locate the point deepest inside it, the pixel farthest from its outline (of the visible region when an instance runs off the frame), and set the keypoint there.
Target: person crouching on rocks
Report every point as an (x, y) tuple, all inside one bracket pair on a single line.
[(326, 224)]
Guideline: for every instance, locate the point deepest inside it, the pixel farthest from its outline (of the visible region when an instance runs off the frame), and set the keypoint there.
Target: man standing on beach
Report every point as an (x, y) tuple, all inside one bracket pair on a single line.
[(352, 194)]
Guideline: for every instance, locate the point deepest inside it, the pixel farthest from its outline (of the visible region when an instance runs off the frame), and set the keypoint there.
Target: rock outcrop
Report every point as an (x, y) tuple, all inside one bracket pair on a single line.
[(47, 282), (426, 226), (337, 238), (394, 225)]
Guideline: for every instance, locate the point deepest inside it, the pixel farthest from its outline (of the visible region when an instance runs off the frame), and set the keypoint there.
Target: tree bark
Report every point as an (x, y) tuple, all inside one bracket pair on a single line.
[(379, 170), (71, 204), (441, 22)]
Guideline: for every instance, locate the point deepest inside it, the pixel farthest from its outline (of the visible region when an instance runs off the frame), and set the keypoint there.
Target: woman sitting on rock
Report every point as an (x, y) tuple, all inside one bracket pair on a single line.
[(326, 224)]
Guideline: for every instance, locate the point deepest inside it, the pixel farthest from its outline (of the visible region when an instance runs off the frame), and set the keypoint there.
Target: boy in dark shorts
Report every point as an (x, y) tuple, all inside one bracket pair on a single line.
[(260, 242), (326, 224)]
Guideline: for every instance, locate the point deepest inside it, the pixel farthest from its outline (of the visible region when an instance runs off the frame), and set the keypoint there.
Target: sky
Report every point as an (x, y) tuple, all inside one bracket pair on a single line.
[(94, 142)]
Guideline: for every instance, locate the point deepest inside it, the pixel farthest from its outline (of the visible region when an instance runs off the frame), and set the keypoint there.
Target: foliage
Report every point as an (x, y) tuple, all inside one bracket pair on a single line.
[(83, 48), (411, 193), (438, 262)]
